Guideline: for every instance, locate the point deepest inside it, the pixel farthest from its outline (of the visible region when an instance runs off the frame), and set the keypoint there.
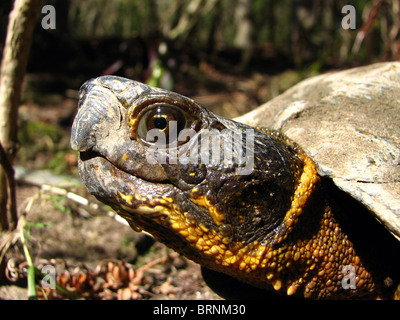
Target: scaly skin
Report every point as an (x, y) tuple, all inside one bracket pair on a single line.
[(279, 227)]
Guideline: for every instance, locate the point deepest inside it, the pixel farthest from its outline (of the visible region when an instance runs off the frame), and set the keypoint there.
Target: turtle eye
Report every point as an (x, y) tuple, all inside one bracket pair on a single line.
[(162, 120)]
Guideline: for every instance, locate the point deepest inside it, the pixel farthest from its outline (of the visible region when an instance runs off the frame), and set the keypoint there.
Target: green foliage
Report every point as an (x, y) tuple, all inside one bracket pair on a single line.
[(305, 30), (35, 138), (44, 145), (57, 163), (103, 18), (25, 240), (47, 133)]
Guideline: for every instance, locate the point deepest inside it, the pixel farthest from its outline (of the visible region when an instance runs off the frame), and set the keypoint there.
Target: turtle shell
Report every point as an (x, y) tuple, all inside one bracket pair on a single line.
[(348, 122)]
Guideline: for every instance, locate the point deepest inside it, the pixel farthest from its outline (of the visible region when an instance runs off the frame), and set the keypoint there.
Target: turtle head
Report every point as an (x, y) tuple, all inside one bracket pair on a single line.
[(220, 192)]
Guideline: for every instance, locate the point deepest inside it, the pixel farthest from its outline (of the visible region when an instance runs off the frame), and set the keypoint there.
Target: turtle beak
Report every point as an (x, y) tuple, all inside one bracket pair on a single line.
[(96, 114), (100, 129), (80, 132)]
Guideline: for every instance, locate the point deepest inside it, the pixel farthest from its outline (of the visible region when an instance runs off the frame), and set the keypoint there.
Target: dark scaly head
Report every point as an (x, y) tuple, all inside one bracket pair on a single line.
[(222, 193)]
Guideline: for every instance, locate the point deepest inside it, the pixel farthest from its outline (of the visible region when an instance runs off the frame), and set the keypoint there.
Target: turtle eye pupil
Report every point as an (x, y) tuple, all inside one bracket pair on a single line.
[(160, 123)]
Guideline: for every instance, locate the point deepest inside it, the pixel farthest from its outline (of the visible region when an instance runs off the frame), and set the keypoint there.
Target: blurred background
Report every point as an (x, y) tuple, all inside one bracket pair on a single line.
[(229, 55)]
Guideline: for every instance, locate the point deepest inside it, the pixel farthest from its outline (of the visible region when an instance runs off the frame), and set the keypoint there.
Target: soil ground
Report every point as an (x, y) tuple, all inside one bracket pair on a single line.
[(78, 242)]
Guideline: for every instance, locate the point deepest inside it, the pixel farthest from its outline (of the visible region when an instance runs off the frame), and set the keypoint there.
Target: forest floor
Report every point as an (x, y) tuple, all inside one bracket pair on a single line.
[(94, 254)]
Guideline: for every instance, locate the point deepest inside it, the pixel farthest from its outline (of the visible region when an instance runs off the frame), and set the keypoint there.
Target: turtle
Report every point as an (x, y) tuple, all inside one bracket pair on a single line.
[(298, 198)]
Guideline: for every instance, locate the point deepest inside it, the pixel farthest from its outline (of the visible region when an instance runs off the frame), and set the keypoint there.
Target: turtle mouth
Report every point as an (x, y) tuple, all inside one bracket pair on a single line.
[(87, 155), (114, 185), (91, 155)]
